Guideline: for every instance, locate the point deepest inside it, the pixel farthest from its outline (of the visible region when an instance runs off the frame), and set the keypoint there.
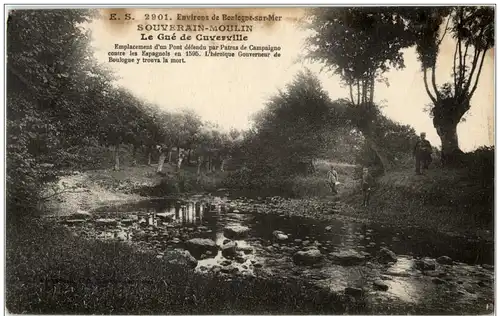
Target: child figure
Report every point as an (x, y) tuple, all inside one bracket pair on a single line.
[(366, 186), (333, 177)]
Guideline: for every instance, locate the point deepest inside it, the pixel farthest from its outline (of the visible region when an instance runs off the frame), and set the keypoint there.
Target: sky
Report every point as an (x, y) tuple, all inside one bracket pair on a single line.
[(228, 91)]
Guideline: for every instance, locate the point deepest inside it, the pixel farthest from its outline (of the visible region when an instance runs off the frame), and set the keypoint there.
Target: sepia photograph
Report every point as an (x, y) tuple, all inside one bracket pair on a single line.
[(249, 160)]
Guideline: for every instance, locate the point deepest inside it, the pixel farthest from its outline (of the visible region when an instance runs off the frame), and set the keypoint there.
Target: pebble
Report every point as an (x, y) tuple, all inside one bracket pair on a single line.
[(488, 267), (379, 285), (353, 291), (438, 281), (444, 260)]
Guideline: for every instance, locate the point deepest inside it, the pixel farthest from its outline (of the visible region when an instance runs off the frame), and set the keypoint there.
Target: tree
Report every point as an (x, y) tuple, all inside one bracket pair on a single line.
[(209, 143), (188, 124), (290, 130), (51, 74), (120, 120), (472, 28), (230, 143), (167, 136), (359, 45)]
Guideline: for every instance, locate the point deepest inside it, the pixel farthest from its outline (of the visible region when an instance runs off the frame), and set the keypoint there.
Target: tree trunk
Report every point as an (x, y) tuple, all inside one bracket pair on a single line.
[(198, 171), (222, 165), (161, 161), (386, 164), (208, 163), (446, 116), (149, 157), (179, 158), (134, 156), (312, 167), (200, 162), (450, 151), (170, 156), (372, 87), (117, 158), (188, 159)]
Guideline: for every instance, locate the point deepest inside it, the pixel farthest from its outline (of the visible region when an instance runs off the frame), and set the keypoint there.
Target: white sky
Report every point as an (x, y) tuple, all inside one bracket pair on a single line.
[(228, 91)]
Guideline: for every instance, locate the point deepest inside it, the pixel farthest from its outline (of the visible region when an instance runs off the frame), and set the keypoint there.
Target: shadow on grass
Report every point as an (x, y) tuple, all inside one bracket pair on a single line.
[(52, 271)]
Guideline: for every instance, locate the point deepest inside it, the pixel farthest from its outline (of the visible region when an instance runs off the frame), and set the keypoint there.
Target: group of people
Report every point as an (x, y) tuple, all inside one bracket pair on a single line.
[(366, 183), (422, 153)]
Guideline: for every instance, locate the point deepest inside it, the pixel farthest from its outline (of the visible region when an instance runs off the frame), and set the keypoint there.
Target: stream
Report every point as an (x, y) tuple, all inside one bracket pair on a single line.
[(390, 268)]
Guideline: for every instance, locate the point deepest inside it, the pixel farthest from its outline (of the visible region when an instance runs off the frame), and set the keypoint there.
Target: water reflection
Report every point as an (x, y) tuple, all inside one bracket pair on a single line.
[(216, 213), (166, 224), (183, 214)]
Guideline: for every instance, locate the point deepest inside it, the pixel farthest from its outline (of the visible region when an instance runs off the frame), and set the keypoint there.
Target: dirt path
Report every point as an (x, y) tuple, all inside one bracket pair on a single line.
[(85, 191)]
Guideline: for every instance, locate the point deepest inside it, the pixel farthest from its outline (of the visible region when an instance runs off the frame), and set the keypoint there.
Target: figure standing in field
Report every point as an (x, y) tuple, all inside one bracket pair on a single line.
[(366, 185), (332, 179), (422, 153)]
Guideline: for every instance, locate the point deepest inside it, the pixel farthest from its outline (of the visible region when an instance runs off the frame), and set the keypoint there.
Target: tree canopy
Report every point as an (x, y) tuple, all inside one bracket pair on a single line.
[(472, 29), (60, 97)]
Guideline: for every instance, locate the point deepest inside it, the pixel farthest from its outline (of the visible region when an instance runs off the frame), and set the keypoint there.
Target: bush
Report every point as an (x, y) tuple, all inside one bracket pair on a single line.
[(249, 181), (481, 162), (310, 186)]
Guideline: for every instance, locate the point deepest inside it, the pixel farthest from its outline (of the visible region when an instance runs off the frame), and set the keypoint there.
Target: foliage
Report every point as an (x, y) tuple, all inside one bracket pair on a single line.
[(359, 44), (61, 103), (43, 121), (292, 131), (394, 141), (343, 144), (472, 29), (481, 165), (293, 125)]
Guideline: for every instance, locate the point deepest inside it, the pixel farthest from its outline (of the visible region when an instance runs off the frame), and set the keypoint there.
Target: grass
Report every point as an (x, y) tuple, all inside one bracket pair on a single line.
[(144, 179), (449, 200), (315, 185), (453, 200), (49, 270)]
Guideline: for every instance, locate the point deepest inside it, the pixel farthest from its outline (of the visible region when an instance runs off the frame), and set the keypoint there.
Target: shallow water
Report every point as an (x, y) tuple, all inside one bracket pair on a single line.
[(341, 234), (164, 224)]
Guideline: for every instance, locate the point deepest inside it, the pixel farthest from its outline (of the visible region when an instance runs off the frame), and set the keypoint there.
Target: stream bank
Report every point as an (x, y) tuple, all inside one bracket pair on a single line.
[(309, 241), (386, 269)]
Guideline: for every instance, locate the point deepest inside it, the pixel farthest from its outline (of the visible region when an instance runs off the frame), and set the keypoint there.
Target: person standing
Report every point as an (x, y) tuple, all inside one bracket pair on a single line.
[(332, 179), (366, 185), (422, 153)]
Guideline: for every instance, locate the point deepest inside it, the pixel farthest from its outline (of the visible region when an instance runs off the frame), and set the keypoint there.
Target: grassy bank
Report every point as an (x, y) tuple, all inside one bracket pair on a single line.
[(452, 200), (94, 188), (441, 200), (449, 200), (51, 271)]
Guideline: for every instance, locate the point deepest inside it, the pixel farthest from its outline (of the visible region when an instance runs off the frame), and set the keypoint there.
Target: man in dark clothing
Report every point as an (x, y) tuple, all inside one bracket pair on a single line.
[(422, 154)]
